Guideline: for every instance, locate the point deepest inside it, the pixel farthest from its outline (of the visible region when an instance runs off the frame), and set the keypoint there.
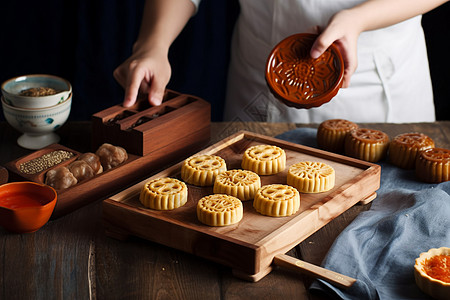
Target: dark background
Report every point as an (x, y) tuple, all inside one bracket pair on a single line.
[(84, 41)]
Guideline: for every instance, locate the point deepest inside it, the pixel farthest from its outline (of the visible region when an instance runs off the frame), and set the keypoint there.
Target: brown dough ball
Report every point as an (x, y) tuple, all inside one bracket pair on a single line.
[(60, 178), (81, 170), (93, 161), (111, 156)]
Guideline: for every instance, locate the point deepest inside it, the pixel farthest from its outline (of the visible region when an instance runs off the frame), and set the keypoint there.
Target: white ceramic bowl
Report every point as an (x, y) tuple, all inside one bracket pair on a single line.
[(434, 287), (12, 88), (37, 125)]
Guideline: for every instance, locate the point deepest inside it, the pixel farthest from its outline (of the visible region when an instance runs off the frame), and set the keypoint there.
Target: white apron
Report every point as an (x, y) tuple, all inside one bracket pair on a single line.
[(391, 84)]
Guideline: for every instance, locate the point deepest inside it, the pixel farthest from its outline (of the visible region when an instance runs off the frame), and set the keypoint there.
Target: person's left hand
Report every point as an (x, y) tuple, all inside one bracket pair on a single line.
[(343, 31)]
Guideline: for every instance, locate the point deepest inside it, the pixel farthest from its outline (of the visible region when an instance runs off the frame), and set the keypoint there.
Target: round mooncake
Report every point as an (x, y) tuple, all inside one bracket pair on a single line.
[(241, 184), (277, 200), (331, 134), (164, 194), (367, 144), (219, 210), (404, 148), (433, 165), (311, 177), (264, 159), (201, 170)]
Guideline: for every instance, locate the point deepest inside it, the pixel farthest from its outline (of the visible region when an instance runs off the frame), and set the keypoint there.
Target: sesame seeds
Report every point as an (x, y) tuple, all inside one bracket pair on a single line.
[(45, 161)]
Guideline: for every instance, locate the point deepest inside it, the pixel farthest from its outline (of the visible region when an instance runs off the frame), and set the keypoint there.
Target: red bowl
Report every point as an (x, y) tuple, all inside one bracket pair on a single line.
[(26, 206), (300, 81)]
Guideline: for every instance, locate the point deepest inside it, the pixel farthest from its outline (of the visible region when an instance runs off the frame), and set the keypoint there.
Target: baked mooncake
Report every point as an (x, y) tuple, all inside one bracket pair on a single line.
[(164, 194), (331, 134), (241, 184), (367, 144), (277, 200), (433, 165), (404, 148), (311, 177), (201, 170), (219, 210), (264, 159)]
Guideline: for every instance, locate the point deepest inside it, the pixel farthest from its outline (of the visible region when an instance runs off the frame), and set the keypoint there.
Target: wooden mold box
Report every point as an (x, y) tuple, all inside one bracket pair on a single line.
[(249, 246), (179, 127), (142, 129)]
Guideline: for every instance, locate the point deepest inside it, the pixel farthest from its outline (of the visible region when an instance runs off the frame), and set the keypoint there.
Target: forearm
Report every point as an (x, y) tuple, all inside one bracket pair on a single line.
[(162, 22), (376, 14)]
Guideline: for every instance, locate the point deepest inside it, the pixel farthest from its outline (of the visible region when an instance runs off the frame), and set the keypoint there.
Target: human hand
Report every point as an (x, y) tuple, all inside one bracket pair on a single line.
[(146, 72), (344, 32)]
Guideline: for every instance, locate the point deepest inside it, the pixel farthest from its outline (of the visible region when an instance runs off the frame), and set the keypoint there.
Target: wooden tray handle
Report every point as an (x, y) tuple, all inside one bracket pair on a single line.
[(297, 265)]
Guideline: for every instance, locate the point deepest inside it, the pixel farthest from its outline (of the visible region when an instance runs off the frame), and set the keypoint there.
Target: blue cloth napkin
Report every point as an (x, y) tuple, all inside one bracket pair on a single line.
[(380, 246)]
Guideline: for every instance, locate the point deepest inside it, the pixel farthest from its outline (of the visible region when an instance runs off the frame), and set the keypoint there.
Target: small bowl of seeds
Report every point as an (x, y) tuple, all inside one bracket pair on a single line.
[(36, 91), (37, 125)]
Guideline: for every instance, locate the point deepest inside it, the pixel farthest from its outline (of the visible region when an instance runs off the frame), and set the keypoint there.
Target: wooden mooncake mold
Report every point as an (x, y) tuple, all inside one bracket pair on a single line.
[(367, 144), (404, 148), (433, 165), (242, 184), (264, 159), (331, 134), (219, 210), (311, 177), (201, 170), (164, 194), (277, 200)]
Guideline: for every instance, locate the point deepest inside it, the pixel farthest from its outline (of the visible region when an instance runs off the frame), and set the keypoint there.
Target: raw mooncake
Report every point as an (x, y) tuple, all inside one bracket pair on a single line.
[(164, 194), (201, 170), (264, 159), (241, 184), (219, 210), (311, 177), (277, 200)]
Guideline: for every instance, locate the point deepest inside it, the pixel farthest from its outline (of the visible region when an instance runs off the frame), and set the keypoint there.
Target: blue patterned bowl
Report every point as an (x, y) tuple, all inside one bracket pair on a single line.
[(12, 88), (37, 125)]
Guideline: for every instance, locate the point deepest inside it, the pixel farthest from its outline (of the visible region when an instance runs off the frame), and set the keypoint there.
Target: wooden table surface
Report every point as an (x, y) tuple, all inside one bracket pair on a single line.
[(72, 258)]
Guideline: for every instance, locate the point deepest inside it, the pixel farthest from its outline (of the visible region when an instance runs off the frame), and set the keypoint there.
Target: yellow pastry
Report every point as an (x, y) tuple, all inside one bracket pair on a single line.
[(433, 165), (241, 184), (219, 210), (404, 148), (367, 144), (264, 159), (277, 200), (164, 194), (201, 170), (311, 177), (331, 134)]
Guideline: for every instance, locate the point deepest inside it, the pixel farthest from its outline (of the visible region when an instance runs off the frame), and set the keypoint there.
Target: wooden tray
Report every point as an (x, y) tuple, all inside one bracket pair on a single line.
[(154, 138), (250, 246)]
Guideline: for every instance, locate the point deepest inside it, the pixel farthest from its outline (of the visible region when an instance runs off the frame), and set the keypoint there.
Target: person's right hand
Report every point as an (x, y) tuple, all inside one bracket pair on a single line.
[(145, 72)]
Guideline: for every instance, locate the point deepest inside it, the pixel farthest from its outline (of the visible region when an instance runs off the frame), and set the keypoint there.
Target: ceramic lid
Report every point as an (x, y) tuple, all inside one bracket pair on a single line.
[(299, 80)]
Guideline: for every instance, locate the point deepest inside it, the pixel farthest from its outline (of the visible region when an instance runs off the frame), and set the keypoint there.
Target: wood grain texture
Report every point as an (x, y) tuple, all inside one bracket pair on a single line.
[(250, 245), (64, 258)]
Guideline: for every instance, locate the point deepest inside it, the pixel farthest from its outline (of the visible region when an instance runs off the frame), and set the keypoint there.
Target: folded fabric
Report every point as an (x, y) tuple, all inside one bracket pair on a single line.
[(380, 246)]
